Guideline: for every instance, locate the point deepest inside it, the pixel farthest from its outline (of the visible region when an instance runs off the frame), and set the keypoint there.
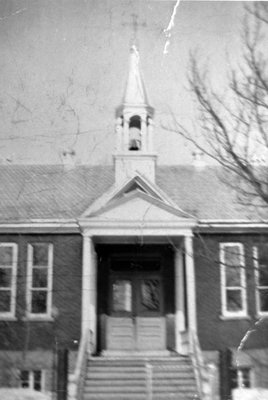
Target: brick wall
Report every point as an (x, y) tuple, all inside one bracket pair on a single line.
[(23, 334), (214, 332)]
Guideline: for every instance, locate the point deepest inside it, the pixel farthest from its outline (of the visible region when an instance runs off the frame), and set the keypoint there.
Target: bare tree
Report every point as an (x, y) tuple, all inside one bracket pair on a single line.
[(234, 124)]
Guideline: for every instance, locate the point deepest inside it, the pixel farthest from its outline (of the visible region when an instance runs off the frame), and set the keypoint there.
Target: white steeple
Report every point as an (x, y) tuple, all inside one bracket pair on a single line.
[(135, 93), (134, 127)]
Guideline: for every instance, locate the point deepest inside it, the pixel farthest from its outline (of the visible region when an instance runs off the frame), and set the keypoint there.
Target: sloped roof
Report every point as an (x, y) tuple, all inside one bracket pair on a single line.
[(49, 192)]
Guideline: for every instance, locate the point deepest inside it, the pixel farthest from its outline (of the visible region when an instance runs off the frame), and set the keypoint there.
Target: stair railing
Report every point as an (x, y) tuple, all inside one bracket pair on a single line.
[(77, 379), (200, 370)]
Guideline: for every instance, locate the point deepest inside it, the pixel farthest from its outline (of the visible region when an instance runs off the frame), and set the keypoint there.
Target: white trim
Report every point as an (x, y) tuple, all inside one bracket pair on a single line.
[(232, 222), (116, 190), (48, 289), (86, 283), (40, 226), (236, 226), (97, 227), (243, 312), (179, 300), (89, 291), (190, 282), (141, 195), (255, 251), (13, 288)]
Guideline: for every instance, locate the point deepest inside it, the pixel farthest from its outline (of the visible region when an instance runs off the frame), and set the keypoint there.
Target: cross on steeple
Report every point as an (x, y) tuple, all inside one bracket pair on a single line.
[(135, 24)]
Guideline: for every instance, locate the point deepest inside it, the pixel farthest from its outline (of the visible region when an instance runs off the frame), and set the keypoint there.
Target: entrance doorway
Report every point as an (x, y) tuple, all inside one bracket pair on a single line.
[(136, 321)]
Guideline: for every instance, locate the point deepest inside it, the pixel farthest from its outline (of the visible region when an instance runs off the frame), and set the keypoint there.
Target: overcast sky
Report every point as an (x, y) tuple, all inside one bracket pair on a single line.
[(64, 64)]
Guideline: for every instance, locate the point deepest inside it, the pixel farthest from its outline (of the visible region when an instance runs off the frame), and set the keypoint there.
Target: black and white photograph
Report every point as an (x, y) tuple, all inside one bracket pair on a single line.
[(133, 200)]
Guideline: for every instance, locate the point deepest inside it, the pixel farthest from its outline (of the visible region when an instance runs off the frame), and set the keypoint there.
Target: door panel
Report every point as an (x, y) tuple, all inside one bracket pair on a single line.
[(136, 319), (151, 333), (120, 333)]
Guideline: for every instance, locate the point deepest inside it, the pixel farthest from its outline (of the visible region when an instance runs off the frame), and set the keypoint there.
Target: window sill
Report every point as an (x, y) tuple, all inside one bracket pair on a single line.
[(7, 318), (233, 317), (39, 318), (262, 314)]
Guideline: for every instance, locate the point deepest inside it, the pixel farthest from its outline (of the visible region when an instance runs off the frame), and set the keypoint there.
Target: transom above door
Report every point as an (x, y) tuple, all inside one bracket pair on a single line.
[(136, 319)]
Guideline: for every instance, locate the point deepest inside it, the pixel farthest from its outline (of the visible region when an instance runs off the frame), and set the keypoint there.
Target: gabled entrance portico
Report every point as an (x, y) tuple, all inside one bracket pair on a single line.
[(138, 316)]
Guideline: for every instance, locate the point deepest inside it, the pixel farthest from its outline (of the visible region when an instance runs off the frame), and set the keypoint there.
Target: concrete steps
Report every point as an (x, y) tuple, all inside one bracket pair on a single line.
[(126, 378)]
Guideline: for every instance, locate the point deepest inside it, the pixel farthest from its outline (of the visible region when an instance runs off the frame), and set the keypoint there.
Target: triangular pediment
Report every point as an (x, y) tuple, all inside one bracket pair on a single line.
[(138, 206), (133, 187)]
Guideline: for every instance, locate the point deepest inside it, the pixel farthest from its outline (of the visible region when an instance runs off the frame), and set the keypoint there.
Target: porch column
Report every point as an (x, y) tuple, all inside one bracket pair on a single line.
[(89, 290), (190, 282), (179, 299)]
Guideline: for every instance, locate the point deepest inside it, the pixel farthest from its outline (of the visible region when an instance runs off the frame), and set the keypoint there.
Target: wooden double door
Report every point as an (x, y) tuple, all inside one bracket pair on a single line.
[(136, 320)]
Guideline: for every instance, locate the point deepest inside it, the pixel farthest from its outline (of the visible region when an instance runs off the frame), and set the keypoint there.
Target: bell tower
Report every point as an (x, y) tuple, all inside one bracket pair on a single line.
[(134, 128)]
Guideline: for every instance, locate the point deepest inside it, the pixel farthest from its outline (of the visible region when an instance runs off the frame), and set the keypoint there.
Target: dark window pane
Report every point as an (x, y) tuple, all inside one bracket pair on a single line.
[(122, 295), (6, 255), (263, 293), (233, 277), (39, 278), (24, 379), (234, 300), (234, 383), (5, 277), (150, 294), (263, 275), (232, 255), (263, 265), (39, 302), (135, 264), (37, 380), (5, 300), (40, 254), (245, 372)]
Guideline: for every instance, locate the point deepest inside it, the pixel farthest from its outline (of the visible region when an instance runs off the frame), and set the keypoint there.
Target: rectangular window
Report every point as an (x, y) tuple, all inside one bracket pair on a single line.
[(260, 257), (32, 379), (8, 276), (241, 378), (39, 287), (122, 295), (233, 280)]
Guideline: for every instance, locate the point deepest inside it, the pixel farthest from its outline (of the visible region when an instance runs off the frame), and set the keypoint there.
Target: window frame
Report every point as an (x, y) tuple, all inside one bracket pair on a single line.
[(31, 379), (255, 251), (13, 288), (30, 289), (243, 287), (240, 378)]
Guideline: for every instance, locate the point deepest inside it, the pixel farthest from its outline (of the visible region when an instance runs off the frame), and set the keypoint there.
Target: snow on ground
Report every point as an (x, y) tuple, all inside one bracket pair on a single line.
[(250, 394), (22, 394)]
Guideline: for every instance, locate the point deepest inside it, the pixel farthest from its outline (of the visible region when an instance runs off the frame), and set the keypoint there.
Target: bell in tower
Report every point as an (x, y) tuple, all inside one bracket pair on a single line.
[(134, 127), (134, 133)]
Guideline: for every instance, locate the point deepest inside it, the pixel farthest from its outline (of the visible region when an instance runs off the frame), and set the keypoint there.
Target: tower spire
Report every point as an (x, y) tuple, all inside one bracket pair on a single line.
[(134, 127), (135, 92)]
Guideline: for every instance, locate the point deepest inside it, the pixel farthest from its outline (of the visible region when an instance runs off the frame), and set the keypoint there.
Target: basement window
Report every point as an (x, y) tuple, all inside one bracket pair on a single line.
[(233, 280), (32, 379), (241, 378)]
